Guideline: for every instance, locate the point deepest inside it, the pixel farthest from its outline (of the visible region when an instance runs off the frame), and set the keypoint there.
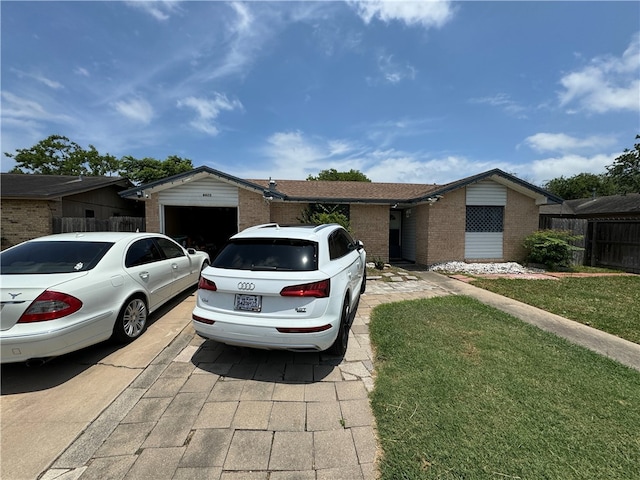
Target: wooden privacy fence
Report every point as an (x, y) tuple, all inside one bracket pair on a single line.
[(113, 224), (611, 243), (614, 244), (578, 227)]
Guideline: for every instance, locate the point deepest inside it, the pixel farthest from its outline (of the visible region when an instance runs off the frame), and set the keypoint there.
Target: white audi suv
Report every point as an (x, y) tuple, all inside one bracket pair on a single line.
[(283, 287)]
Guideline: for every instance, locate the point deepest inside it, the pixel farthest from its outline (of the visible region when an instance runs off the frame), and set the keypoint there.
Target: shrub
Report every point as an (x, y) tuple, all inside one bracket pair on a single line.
[(322, 215), (551, 248)]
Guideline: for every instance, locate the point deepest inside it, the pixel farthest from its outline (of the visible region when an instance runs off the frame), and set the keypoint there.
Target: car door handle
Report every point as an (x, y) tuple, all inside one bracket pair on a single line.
[(174, 266), (144, 275)]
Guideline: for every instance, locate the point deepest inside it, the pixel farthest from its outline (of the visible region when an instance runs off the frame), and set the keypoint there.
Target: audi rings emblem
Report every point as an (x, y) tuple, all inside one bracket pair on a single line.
[(247, 286)]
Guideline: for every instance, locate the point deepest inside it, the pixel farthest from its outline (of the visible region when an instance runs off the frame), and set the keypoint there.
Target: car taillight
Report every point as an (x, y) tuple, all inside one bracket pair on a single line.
[(50, 306), (315, 289), (202, 319), (205, 284)]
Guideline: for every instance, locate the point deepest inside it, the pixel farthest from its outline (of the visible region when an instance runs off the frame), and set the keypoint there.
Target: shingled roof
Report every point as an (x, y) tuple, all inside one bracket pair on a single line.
[(612, 205), (343, 192), (347, 192), (44, 187)]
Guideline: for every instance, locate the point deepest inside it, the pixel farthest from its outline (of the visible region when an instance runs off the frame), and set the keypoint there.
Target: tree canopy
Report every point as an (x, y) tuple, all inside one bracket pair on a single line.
[(57, 155), (621, 177), (581, 185), (625, 170), (333, 175)]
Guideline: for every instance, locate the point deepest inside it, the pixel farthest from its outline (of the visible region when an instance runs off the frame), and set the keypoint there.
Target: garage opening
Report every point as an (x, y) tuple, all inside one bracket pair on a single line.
[(204, 228)]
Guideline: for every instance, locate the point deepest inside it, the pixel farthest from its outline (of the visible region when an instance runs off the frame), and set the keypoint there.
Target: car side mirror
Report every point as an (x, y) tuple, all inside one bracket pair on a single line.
[(191, 251), (359, 245)]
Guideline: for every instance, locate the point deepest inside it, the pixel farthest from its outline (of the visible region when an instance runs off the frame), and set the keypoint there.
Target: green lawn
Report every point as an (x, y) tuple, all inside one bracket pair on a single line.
[(610, 304), (464, 391)]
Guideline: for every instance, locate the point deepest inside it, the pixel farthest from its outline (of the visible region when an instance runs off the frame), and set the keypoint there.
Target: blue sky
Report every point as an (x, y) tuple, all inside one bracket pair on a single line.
[(419, 92)]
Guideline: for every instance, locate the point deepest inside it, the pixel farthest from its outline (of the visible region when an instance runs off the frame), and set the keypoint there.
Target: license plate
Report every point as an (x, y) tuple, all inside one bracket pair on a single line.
[(250, 303)]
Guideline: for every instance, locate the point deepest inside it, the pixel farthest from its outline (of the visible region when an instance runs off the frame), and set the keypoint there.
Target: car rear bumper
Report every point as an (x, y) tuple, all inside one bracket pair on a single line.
[(267, 337), (22, 347)]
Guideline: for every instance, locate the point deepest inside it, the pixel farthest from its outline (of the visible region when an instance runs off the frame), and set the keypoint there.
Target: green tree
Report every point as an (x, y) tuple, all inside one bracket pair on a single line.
[(625, 170), (333, 175), (581, 185), (147, 170), (57, 155)]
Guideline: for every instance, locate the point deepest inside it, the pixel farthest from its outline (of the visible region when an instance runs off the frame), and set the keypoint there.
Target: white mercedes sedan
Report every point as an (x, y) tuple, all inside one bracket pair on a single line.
[(283, 287), (61, 293)]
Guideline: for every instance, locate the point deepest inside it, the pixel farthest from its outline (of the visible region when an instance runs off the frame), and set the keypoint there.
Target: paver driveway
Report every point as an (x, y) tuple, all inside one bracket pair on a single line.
[(206, 410)]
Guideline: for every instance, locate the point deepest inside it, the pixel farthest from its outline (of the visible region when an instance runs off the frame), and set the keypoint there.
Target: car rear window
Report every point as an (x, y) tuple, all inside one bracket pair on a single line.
[(52, 257), (268, 254)]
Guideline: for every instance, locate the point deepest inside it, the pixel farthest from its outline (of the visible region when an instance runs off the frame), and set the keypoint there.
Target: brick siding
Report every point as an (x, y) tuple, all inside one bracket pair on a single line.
[(370, 223), (152, 214), (26, 219), (252, 209), (445, 226), (520, 220), (287, 213)]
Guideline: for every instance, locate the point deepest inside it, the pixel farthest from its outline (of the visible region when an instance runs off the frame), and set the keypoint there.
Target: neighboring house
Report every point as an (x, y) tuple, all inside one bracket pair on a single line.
[(480, 218), (31, 203), (610, 227)]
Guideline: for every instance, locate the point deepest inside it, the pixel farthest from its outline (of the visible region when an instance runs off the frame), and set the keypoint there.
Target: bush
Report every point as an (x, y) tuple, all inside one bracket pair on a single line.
[(551, 248), (325, 215)]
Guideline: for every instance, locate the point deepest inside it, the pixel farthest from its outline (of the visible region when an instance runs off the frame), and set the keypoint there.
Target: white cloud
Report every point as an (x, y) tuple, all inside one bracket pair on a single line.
[(161, 10), (607, 84), (503, 101), (560, 142), (394, 72), (546, 169), (39, 78), (82, 72), (208, 110), (136, 109), (427, 13), (15, 107)]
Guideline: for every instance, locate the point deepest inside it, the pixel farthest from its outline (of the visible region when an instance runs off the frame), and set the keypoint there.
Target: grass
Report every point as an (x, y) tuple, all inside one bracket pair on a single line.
[(610, 304), (464, 391)]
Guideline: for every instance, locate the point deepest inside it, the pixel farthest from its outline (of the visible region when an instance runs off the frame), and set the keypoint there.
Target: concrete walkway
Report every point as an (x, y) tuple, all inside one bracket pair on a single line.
[(205, 410)]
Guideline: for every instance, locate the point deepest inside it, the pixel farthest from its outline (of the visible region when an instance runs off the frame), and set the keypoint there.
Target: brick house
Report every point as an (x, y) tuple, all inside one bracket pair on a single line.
[(484, 217), (31, 203)]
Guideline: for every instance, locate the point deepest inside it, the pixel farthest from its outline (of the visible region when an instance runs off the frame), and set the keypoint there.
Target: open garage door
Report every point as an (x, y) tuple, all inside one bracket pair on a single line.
[(204, 228)]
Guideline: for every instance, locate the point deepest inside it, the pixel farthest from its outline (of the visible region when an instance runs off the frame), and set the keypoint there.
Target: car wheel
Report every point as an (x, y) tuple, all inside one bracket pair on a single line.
[(363, 287), (131, 321), (339, 347)]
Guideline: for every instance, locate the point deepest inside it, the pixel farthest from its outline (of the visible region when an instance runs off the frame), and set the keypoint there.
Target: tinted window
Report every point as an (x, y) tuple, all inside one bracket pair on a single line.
[(142, 252), (269, 254), (52, 257), (340, 243), (170, 249), (485, 219)]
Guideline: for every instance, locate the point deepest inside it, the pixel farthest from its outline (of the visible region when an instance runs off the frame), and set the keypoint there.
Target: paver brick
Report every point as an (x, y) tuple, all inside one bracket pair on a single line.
[(356, 413), (169, 432), (216, 415), (320, 392), (207, 448), (334, 449), (323, 416), (292, 451), (186, 404), (249, 450), (225, 391), (125, 439), (147, 409), (252, 415), (156, 463), (288, 416)]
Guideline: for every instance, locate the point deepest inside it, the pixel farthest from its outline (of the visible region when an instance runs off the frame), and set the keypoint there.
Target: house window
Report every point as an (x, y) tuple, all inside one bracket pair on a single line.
[(485, 219), (89, 214)]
